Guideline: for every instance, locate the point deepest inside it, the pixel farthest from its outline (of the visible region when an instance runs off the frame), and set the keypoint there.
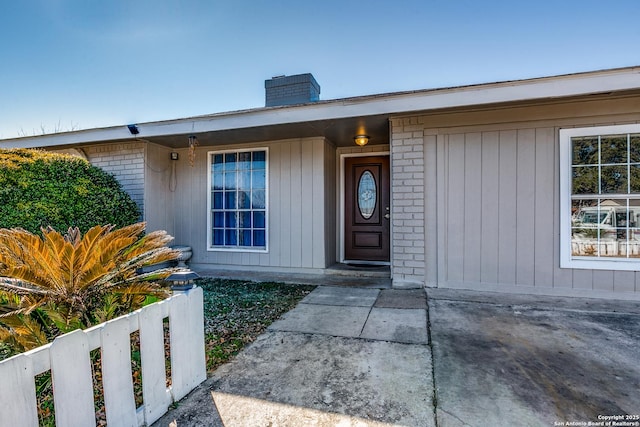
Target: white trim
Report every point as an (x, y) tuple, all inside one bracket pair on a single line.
[(391, 103), (210, 247), (566, 259), (341, 191)]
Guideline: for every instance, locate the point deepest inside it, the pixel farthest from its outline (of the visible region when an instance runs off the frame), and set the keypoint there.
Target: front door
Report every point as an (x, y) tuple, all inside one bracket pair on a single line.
[(367, 209)]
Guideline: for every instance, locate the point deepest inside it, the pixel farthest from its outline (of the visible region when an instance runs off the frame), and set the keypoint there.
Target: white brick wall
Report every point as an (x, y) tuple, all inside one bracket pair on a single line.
[(126, 162), (408, 193)]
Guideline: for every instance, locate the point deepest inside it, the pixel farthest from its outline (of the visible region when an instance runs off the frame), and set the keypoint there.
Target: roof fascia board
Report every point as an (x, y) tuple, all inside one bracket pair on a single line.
[(120, 133), (523, 90)]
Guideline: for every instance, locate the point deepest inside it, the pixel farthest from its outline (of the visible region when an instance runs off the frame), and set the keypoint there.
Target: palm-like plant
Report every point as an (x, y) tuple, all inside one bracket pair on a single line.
[(53, 284)]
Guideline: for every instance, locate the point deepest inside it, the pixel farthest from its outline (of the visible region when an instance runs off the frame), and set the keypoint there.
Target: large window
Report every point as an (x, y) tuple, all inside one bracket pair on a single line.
[(600, 197), (238, 200)]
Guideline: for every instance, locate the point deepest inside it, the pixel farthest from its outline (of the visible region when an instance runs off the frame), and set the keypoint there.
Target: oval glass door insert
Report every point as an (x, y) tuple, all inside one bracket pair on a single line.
[(367, 194)]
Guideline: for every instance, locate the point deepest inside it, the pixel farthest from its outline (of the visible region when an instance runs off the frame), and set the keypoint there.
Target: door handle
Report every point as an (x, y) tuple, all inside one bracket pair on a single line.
[(387, 216)]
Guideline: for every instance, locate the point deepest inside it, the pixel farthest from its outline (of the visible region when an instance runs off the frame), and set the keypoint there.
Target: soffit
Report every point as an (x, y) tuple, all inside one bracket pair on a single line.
[(339, 131)]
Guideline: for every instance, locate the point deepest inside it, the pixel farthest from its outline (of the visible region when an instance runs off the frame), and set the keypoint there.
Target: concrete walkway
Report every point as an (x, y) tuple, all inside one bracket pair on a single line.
[(350, 356)]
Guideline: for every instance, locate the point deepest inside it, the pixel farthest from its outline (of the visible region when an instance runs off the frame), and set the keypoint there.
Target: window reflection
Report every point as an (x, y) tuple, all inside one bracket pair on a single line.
[(238, 199), (605, 215), (613, 149), (613, 179), (605, 227), (585, 151), (585, 180)]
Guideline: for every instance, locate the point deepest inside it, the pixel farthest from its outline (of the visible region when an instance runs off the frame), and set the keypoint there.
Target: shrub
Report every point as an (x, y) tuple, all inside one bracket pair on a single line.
[(40, 189)]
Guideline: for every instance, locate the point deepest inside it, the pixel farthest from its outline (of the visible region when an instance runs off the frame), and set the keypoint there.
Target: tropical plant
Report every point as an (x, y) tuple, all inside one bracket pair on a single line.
[(56, 283)]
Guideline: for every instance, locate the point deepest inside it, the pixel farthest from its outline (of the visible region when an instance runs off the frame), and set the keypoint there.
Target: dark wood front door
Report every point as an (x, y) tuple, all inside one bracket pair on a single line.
[(367, 208)]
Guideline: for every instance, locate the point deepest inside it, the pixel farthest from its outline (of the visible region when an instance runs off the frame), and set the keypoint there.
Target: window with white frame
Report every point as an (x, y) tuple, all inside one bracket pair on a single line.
[(600, 197), (238, 200)]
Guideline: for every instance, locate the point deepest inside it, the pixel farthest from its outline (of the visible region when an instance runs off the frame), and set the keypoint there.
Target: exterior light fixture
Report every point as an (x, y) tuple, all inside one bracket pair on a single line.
[(361, 140), (182, 280), (133, 129), (174, 155), (193, 143)]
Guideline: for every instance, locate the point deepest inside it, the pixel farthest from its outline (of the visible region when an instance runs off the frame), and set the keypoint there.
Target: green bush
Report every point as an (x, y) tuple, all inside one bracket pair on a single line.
[(40, 189)]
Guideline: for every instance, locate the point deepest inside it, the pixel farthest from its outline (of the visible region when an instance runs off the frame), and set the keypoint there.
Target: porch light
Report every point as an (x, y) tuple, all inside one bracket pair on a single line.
[(193, 143), (182, 280), (361, 140)]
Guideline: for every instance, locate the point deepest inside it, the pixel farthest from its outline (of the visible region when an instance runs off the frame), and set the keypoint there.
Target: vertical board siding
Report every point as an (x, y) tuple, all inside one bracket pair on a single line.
[(274, 213), (490, 225), (330, 210), (582, 279), (158, 197), (295, 224), (455, 209), (284, 201), (623, 281), (525, 207), (318, 225), (442, 204), (507, 214), (307, 205), (497, 194), (298, 205), (472, 206), (543, 213), (431, 230), (562, 277), (603, 280)]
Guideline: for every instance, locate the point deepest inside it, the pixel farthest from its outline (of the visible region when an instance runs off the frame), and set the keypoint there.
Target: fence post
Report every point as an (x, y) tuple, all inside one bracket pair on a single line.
[(18, 393), (187, 342)]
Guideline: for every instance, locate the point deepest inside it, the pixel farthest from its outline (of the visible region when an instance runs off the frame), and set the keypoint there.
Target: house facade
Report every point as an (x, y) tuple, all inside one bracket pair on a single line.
[(527, 186)]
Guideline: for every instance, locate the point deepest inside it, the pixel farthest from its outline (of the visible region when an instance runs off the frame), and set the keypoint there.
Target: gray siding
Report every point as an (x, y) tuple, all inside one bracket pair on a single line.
[(495, 184), (301, 211), (159, 197)]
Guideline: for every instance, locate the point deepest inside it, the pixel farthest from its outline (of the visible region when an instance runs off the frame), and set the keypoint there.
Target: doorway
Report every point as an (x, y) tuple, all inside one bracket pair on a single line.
[(367, 212)]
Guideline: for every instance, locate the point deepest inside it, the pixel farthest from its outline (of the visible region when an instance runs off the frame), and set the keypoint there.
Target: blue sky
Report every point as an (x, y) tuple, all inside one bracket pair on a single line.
[(78, 64)]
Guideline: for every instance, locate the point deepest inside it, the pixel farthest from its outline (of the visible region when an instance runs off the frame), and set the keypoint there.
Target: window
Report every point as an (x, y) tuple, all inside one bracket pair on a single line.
[(238, 200), (600, 197)]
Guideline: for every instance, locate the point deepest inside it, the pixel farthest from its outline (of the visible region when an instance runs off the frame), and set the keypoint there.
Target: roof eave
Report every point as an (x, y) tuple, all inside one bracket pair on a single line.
[(392, 104)]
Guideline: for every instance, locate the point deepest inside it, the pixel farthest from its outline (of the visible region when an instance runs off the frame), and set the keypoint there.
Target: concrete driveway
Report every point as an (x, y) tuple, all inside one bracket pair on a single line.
[(371, 357), (533, 361)]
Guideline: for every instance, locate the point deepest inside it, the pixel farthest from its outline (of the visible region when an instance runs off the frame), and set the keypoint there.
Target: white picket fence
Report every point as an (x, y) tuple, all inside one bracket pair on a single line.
[(69, 361)]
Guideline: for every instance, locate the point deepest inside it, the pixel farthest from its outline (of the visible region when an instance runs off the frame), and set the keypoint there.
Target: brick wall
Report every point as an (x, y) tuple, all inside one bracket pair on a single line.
[(126, 162), (408, 202), (290, 90)]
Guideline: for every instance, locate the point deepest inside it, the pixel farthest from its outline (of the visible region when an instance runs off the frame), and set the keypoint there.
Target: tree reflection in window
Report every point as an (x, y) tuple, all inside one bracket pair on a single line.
[(605, 216)]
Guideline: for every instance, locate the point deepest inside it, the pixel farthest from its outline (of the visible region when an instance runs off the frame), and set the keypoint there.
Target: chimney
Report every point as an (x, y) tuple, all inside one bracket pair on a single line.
[(290, 90)]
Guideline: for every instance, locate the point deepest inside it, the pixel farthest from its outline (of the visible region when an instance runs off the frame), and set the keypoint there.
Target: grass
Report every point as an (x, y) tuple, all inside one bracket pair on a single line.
[(236, 312)]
